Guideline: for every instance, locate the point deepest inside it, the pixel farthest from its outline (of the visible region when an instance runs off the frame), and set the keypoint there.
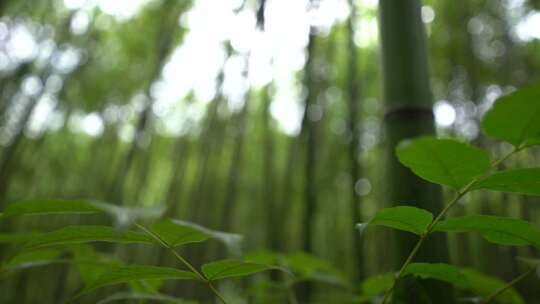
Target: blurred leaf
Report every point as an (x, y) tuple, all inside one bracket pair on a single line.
[(462, 278), (306, 264), (148, 286), (439, 271), (523, 181), (91, 269), (122, 215), (33, 256), (529, 261), (498, 230), (17, 237), (175, 234), (515, 118), (307, 267), (484, 285), (123, 296), (264, 257), (32, 207), (231, 268), (377, 284), (125, 274), (231, 240), (85, 234), (405, 218), (443, 161)]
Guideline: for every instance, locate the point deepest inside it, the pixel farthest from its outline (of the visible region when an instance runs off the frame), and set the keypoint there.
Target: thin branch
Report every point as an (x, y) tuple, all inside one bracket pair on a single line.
[(438, 218), (508, 286), (166, 245)]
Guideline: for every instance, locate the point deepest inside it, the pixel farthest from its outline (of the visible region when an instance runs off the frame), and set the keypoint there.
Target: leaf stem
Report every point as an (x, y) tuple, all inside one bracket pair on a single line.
[(439, 217), (170, 248), (508, 286)]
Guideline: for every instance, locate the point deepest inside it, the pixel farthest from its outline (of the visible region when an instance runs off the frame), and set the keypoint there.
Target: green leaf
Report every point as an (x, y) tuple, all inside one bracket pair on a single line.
[(124, 216), (175, 234), (32, 207), (85, 234), (377, 284), (125, 274), (443, 161), (307, 267), (230, 240), (529, 261), (305, 264), (32, 256), (498, 230), (141, 297), (33, 259), (231, 268), (484, 285), (463, 278), (523, 181), (121, 215), (17, 237), (515, 118), (405, 218), (439, 271)]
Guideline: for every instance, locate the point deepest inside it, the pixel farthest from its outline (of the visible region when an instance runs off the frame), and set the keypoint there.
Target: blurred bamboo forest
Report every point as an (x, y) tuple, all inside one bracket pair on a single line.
[(262, 118)]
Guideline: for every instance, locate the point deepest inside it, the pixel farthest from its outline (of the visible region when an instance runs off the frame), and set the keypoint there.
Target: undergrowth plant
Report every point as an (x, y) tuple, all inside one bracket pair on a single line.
[(515, 119), (71, 245)]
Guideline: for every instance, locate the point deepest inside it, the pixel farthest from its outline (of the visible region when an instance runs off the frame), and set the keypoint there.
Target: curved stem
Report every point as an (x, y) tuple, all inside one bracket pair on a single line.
[(439, 217), (214, 290), (166, 245), (508, 286)]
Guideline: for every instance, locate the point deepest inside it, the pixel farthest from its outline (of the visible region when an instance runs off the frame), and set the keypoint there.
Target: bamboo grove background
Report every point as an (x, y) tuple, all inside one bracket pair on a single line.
[(84, 113)]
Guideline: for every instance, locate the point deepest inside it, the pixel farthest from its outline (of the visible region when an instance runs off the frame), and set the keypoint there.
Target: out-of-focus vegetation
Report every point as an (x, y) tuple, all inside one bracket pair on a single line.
[(263, 119)]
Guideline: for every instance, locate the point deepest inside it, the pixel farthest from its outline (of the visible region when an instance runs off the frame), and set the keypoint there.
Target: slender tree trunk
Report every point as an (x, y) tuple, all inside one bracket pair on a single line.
[(176, 185), (229, 204), (354, 145), (164, 43), (308, 135), (272, 205), (408, 101), (8, 159)]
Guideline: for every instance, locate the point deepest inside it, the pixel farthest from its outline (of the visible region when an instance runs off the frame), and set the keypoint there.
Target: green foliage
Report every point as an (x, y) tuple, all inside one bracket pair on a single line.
[(231, 268), (83, 234), (405, 218), (440, 271), (443, 161), (35, 207), (231, 240), (485, 285), (377, 285), (121, 215), (462, 278), (17, 237), (32, 259), (522, 181), (498, 230), (136, 296), (33, 256), (515, 118), (174, 234), (124, 274)]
